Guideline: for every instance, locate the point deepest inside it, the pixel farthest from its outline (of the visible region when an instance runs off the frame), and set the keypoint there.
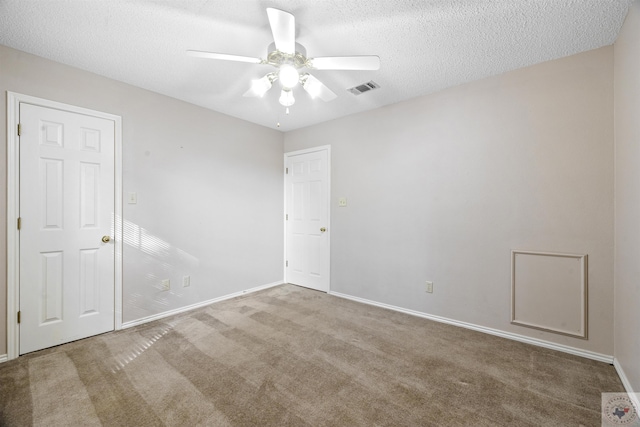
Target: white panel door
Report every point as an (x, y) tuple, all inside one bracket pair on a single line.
[(307, 195), (66, 208)]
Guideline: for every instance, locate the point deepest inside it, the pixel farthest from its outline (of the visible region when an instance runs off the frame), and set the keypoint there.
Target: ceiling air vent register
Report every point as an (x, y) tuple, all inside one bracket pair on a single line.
[(365, 87)]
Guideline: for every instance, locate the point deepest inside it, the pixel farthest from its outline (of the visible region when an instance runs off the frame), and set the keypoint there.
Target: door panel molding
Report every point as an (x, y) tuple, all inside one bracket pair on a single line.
[(13, 205)]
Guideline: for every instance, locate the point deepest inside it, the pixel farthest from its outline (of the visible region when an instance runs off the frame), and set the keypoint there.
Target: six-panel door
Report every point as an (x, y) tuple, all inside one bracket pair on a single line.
[(307, 187), (66, 208)]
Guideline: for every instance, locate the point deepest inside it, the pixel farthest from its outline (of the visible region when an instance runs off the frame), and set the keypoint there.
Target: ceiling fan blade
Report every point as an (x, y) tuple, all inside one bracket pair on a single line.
[(368, 62), (223, 56), (283, 27), (317, 89)]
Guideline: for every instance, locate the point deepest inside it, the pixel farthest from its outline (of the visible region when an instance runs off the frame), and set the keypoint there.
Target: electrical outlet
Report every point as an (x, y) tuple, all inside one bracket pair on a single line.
[(429, 288), (342, 202), (165, 285), (186, 281)]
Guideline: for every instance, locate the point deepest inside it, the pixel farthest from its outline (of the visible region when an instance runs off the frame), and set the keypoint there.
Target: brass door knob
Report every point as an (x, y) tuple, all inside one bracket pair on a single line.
[(106, 239), (323, 229)]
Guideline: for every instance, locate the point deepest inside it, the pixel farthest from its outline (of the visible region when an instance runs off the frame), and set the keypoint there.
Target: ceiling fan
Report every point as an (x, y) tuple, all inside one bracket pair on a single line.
[(289, 58)]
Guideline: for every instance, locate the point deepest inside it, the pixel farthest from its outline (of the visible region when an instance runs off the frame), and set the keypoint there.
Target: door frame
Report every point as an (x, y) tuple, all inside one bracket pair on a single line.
[(13, 210), (288, 154)]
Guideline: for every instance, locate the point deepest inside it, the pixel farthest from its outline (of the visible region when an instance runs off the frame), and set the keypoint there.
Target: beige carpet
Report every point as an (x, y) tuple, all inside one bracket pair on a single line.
[(289, 356)]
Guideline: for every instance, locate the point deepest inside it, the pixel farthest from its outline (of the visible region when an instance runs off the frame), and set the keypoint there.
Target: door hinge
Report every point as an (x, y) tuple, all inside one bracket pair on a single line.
[(19, 223), (287, 171), (19, 317), (19, 129), (286, 217), (286, 264)]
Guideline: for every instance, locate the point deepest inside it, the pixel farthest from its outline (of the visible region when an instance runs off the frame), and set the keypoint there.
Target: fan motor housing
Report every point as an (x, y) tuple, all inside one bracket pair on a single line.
[(277, 58)]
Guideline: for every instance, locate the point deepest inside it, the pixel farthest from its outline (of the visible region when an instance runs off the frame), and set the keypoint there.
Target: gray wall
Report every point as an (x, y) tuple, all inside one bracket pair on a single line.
[(207, 184), (627, 155), (444, 186)]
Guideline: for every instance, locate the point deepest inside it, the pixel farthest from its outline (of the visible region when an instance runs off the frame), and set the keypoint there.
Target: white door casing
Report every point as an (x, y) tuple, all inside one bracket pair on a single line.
[(65, 280), (307, 184)]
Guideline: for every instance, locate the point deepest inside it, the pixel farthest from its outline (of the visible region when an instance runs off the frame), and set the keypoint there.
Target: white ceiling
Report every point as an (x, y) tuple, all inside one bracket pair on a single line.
[(424, 46)]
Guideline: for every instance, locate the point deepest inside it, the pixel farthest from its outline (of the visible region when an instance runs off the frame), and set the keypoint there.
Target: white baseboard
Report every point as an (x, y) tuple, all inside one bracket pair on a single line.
[(516, 337), (633, 395), (3, 358), (196, 305)]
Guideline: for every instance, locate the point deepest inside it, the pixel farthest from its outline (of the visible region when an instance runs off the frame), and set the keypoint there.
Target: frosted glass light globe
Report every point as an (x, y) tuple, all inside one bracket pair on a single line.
[(288, 76), (286, 98)]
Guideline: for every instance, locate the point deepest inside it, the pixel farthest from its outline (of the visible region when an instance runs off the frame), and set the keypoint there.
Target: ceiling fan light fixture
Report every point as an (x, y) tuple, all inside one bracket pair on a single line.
[(288, 76), (287, 58), (260, 86), (313, 87), (286, 98)]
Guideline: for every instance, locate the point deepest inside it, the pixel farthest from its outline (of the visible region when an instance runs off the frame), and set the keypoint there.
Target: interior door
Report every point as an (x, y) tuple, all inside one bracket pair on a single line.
[(307, 225), (66, 213)]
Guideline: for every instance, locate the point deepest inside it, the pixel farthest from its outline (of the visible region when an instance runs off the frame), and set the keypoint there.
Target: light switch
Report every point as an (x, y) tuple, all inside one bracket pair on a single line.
[(133, 198), (342, 202)]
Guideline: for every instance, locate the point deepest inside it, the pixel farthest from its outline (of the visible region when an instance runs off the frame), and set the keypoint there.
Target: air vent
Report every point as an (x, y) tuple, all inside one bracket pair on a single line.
[(365, 87)]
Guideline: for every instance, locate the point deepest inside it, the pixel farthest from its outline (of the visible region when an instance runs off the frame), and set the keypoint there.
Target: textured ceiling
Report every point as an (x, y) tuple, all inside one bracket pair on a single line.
[(424, 45)]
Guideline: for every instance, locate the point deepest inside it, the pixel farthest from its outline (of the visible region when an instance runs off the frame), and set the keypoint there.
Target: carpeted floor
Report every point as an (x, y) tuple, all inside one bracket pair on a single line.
[(289, 356)]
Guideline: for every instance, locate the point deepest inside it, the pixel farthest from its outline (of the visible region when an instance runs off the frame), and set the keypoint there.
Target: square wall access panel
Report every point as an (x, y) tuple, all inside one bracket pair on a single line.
[(549, 292)]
